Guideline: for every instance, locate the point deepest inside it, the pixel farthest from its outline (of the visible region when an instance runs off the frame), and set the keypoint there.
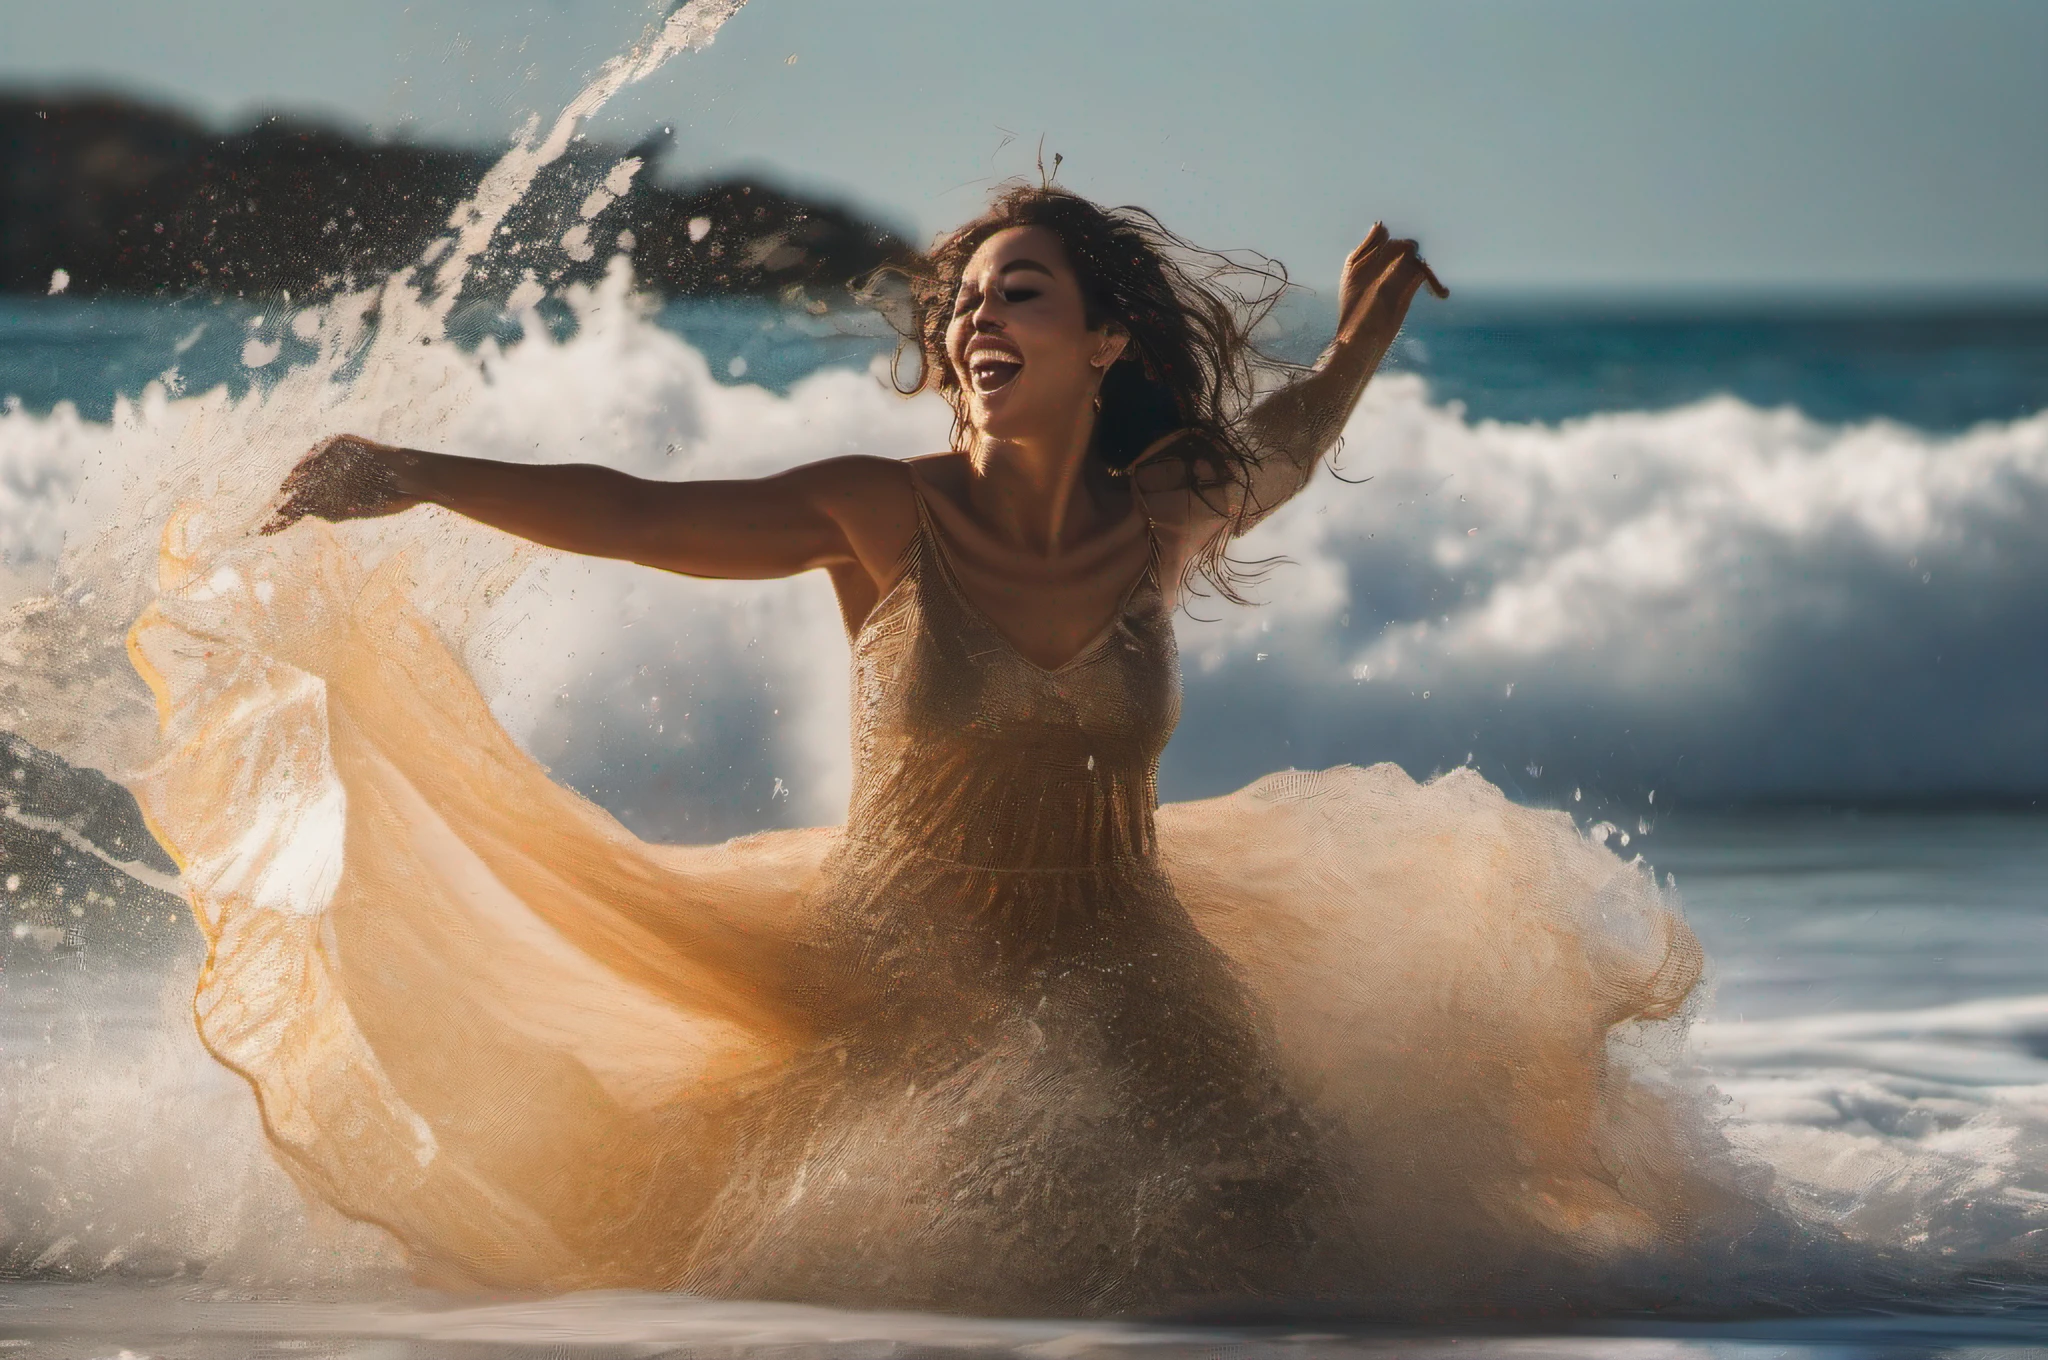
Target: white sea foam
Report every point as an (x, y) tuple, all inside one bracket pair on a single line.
[(1924, 1128), (1687, 568), (1718, 601), (133, 1155)]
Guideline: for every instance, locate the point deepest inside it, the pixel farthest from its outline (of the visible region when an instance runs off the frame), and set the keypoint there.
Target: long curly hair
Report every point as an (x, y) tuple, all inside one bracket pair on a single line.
[(1191, 368)]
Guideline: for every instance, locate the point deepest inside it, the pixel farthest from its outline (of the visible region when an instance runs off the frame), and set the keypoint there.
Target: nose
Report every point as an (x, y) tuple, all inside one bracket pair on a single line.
[(984, 318)]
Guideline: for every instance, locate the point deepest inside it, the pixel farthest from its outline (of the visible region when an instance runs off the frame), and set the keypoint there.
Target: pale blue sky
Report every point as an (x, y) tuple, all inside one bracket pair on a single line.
[(1628, 145)]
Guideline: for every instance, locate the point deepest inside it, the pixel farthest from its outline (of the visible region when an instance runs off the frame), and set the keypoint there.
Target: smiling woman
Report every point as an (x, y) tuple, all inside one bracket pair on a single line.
[(1172, 371), (1013, 1039)]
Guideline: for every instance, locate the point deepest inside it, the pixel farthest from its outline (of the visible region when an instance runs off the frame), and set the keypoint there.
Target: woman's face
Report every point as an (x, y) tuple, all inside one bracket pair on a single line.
[(1019, 340)]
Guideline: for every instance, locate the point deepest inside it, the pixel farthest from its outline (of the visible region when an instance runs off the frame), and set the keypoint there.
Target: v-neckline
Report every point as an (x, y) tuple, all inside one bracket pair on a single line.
[(928, 527)]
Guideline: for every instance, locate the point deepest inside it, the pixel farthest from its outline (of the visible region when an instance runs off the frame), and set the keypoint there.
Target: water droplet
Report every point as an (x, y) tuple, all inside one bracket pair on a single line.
[(257, 353)]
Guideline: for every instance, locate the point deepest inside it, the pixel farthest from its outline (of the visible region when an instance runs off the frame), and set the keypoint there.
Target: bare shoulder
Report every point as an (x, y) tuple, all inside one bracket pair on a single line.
[(872, 500), (856, 476), (945, 473)]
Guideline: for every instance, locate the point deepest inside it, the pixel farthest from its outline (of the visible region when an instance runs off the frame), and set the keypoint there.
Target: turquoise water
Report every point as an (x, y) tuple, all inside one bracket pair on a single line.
[(1929, 364)]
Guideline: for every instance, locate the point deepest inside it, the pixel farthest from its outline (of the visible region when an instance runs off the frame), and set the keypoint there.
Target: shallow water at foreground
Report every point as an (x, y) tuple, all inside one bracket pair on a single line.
[(72, 1322), (1882, 985)]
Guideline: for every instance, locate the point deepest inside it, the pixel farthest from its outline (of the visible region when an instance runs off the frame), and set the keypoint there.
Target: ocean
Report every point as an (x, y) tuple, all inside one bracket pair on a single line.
[(1758, 595), (1875, 1025)]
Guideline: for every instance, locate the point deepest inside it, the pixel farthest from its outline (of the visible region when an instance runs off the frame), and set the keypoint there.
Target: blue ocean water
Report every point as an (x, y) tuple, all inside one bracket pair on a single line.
[(1877, 1022), (1938, 366)]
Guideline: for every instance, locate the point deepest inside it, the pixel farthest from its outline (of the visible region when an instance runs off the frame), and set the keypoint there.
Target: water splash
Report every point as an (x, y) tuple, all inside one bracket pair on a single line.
[(134, 1155), (381, 367), (691, 28)]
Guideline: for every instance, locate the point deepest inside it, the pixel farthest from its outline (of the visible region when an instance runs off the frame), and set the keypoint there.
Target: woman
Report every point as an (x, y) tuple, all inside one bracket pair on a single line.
[(973, 1051)]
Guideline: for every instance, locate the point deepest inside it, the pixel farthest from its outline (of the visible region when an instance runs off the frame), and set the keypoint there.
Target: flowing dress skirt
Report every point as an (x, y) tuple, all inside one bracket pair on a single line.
[(477, 1011)]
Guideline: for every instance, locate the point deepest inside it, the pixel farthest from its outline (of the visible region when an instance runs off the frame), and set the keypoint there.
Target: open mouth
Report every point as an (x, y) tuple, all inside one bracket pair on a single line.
[(992, 370)]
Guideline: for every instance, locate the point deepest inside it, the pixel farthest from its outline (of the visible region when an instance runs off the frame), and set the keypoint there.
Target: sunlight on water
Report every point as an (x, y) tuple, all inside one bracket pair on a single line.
[(1716, 600)]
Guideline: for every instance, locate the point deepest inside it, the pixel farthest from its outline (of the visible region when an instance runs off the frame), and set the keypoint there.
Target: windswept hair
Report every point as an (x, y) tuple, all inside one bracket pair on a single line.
[(1191, 367)]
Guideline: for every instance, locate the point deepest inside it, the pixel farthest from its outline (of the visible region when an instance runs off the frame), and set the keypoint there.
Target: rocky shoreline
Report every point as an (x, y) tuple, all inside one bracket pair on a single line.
[(100, 195)]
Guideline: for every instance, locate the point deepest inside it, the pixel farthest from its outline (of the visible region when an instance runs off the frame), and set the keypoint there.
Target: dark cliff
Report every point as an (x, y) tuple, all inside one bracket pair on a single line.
[(126, 198)]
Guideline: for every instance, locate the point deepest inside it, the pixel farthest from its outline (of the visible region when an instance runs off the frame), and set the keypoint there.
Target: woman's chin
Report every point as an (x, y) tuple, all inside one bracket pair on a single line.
[(1008, 414), (997, 418)]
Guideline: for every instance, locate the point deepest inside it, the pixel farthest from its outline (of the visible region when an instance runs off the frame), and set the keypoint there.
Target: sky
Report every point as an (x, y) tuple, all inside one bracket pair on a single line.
[(1760, 147)]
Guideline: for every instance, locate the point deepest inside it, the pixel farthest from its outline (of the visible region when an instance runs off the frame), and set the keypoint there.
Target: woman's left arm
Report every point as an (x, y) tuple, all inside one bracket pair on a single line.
[(1294, 427)]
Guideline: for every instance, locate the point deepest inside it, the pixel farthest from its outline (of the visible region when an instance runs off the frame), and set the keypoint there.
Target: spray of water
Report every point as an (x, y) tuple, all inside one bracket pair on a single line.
[(132, 1153)]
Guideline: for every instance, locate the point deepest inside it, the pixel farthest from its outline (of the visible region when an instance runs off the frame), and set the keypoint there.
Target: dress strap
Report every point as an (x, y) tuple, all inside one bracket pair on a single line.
[(929, 538), (924, 511), (1153, 555)]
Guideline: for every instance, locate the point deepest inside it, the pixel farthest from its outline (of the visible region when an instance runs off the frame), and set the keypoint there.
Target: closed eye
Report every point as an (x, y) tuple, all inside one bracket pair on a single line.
[(1019, 294)]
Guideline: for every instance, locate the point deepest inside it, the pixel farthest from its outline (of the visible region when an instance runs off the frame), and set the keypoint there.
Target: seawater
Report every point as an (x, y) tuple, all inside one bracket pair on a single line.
[(1757, 597), (1876, 1024)]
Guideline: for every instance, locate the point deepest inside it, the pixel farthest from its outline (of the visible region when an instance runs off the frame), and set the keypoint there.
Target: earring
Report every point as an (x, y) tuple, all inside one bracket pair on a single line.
[(1098, 401)]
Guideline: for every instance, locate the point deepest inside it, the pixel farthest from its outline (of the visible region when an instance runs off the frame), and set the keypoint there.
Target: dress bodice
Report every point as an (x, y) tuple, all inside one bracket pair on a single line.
[(967, 752)]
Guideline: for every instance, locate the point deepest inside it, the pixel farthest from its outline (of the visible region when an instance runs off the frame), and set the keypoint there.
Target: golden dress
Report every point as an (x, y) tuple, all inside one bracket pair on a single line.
[(1013, 1039)]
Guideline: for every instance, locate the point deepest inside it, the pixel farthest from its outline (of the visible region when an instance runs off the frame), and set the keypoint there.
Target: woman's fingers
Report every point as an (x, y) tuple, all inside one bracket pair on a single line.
[(1373, 240), (1404, 257), (307, 469), (283, 518), (1436, 285), (1381, 278), (1418, 274), (292, 498), (328, 483), (1379, 253), (1367, 274)]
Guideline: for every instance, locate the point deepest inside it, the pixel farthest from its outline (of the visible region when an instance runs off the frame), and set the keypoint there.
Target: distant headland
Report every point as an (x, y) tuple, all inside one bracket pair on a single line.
[(125, 198)]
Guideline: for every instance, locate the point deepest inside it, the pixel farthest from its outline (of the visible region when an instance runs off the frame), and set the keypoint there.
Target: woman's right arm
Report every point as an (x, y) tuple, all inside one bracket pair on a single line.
[(820, 515)]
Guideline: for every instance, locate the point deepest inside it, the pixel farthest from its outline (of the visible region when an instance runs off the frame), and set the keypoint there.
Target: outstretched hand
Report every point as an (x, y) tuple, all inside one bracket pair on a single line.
[(344, 477), (1380, 280)]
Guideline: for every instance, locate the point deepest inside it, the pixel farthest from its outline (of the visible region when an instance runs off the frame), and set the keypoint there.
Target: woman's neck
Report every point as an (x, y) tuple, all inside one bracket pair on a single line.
[(1035, 493)]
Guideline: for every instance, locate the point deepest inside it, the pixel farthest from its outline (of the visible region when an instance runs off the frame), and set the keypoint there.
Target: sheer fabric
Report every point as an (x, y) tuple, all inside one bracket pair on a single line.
[(1011, 1040)]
